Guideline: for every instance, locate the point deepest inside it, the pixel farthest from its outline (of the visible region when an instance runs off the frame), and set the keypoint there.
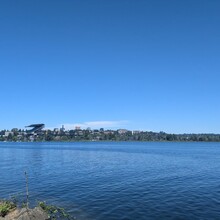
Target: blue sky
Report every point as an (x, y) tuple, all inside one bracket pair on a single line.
[(146, 64)]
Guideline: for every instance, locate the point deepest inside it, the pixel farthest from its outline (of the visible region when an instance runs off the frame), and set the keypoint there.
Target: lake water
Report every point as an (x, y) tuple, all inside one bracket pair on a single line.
[(120, 180)]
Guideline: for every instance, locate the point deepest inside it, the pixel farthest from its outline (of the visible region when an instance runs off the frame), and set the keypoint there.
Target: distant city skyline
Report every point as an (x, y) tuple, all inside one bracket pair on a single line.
[(140, 65), (100, 125), (94, 125)]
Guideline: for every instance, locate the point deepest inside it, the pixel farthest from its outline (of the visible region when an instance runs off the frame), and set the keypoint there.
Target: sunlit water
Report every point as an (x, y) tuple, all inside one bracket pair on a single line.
[(120, 180)]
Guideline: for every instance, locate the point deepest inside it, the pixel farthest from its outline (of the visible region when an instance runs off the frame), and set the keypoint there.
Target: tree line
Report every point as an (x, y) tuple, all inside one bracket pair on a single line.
[(101, 135)]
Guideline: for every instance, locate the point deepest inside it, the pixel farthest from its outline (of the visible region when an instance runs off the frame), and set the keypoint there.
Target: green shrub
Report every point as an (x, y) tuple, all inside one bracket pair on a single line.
[(54, 212), (6, 207)]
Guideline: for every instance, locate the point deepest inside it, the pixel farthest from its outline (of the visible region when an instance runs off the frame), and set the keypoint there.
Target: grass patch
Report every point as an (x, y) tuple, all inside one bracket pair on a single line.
[(6, 207), (54, 212)]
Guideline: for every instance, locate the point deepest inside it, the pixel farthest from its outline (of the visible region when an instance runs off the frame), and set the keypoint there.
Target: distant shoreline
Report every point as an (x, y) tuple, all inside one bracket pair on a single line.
[(89, 135), (112, 141)]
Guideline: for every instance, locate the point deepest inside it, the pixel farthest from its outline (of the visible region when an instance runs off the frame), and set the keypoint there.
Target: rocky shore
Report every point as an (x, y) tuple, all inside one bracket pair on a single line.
[(26, 214), (11, 210)]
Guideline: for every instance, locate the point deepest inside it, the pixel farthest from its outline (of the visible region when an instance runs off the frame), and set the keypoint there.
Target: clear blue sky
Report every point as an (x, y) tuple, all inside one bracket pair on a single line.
[(146, 64)]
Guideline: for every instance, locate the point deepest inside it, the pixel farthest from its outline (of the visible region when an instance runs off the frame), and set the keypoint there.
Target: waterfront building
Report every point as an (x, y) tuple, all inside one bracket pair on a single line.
[(35, 127), (122, 131)]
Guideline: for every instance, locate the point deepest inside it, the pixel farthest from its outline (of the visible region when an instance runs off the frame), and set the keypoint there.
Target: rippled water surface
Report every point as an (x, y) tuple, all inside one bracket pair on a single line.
[(120, 180)]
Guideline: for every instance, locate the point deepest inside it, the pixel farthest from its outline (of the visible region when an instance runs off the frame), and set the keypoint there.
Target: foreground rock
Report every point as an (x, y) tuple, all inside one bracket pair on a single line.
[(26, 214)]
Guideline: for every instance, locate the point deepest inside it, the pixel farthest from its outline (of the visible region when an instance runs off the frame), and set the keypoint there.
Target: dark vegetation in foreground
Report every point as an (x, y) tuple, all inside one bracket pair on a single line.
[(17, 208), (6, 206), (12, 209), (102, 135)]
